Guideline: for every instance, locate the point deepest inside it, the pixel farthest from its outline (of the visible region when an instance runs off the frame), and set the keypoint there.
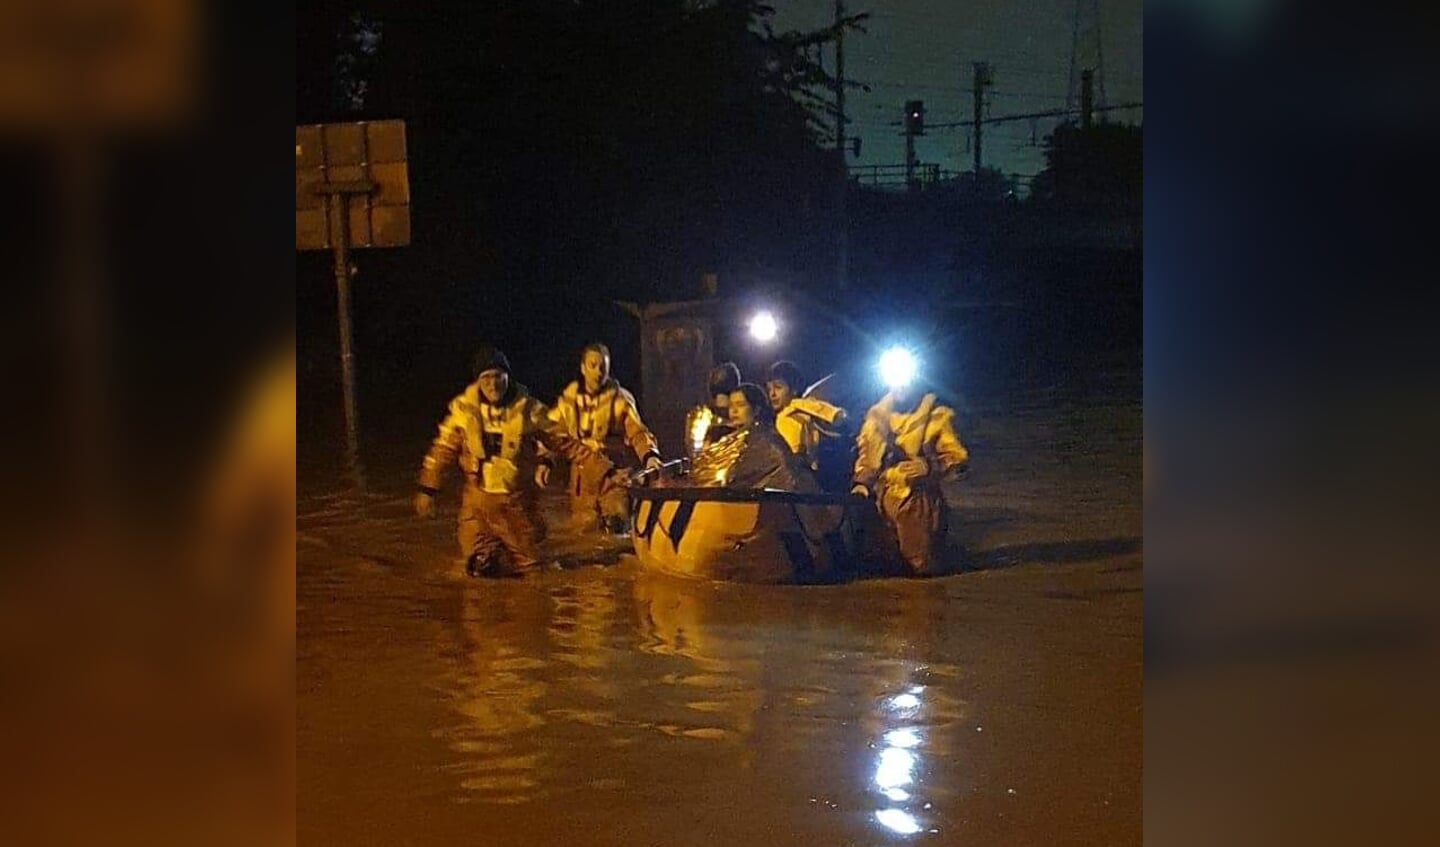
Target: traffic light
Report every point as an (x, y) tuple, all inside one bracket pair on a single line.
[(914, 117)]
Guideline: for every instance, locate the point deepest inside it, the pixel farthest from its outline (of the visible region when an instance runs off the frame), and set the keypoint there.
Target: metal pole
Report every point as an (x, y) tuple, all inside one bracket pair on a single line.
[(910, 158), (840, 79), (842, 263), (982, 79), (339, 207)]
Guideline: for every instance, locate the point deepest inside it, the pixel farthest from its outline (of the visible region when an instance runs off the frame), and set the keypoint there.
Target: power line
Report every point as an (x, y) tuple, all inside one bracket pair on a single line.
[(954, 89), (1053, 113)]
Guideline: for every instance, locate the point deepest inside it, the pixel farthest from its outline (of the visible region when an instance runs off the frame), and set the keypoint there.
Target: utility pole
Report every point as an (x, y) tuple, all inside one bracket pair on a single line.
[(842, 258), (910, 159), (1087, 50), (914, 125), (840, 79), (1087, 98), (980, 82)]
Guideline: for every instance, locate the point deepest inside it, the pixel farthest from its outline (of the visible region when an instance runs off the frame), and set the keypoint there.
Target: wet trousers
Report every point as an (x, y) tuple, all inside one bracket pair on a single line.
[(596, 497), (502, 528), (916, 520)]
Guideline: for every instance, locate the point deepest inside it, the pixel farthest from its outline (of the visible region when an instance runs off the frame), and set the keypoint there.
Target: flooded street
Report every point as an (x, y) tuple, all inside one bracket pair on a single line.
[(602, 705)]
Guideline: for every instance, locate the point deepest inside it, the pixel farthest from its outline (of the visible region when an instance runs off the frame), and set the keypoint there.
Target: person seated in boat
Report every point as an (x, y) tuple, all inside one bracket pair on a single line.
[(708, 423), (753, 455), (804, 421)]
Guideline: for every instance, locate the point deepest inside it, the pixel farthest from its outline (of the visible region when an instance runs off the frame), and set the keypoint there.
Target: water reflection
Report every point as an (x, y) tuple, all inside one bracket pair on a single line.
[(905, 701), (898, 762), (913, 725), (898, 820), (583, 613), (904, 738), (714, 684), (629, 682), (497, 690)]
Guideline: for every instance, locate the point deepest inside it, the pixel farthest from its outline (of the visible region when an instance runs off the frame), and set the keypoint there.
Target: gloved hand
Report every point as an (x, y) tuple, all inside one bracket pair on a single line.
[(653, 463), (913, 469), (542, 475), (583, 454), (424, 504)]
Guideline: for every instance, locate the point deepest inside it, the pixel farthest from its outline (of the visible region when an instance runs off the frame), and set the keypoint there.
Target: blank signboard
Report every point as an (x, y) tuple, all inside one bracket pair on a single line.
[(366, 151)]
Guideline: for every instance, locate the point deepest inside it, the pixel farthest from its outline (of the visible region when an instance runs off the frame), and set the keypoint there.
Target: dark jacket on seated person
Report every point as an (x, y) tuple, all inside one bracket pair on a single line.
[(753, 457)]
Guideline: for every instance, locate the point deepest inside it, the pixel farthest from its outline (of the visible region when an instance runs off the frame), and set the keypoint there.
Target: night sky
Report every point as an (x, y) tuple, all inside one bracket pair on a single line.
[(923, 49)]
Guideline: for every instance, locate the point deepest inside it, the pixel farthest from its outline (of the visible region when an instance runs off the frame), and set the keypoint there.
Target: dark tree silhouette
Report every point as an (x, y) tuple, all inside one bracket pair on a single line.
[(1099, 168), (634, 142)]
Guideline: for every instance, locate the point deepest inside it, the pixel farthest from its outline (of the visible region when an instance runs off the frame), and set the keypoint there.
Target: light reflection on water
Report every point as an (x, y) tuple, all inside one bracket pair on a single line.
[(758, 683), (905, 701), (773, 715), (898, 763), (897, 820), (904, 738), (896, 768)]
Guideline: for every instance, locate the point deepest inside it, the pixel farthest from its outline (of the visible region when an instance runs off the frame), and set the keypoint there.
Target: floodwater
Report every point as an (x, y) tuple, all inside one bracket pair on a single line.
[(602, 705)]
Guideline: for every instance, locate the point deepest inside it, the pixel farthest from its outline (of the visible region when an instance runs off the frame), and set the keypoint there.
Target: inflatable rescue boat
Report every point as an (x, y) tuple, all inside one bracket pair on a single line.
[(755, 535)]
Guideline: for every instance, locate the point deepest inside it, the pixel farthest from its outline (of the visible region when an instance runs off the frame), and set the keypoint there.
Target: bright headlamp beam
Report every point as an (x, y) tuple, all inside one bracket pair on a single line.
[(764, 327), (897, 367)]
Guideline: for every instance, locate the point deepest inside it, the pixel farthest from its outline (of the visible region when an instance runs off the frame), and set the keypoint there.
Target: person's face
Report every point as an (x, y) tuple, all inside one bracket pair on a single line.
[(741, 412), (594, 368), (780, 393), (493, 385)]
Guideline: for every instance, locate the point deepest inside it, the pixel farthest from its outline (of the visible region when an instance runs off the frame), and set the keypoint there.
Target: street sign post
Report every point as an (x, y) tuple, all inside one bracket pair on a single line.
[(352, 190)]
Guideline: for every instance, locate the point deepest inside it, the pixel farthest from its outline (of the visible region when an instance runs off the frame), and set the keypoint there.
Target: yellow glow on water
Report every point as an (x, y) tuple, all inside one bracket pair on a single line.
[(898, 820)]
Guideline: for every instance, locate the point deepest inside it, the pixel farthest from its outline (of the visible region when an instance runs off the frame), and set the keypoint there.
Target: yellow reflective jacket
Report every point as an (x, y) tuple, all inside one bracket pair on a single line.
[(888, 438), (612, 411), (804, 421), (508, 466)]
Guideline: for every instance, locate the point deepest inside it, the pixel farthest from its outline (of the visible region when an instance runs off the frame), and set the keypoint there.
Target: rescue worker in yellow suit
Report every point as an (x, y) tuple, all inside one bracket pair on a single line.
[(907, 443), (601, 414), (801, 421), (493, 430)]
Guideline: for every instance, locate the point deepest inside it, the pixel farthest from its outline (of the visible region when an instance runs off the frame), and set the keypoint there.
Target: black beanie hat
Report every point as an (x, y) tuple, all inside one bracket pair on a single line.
[(487, 358)]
